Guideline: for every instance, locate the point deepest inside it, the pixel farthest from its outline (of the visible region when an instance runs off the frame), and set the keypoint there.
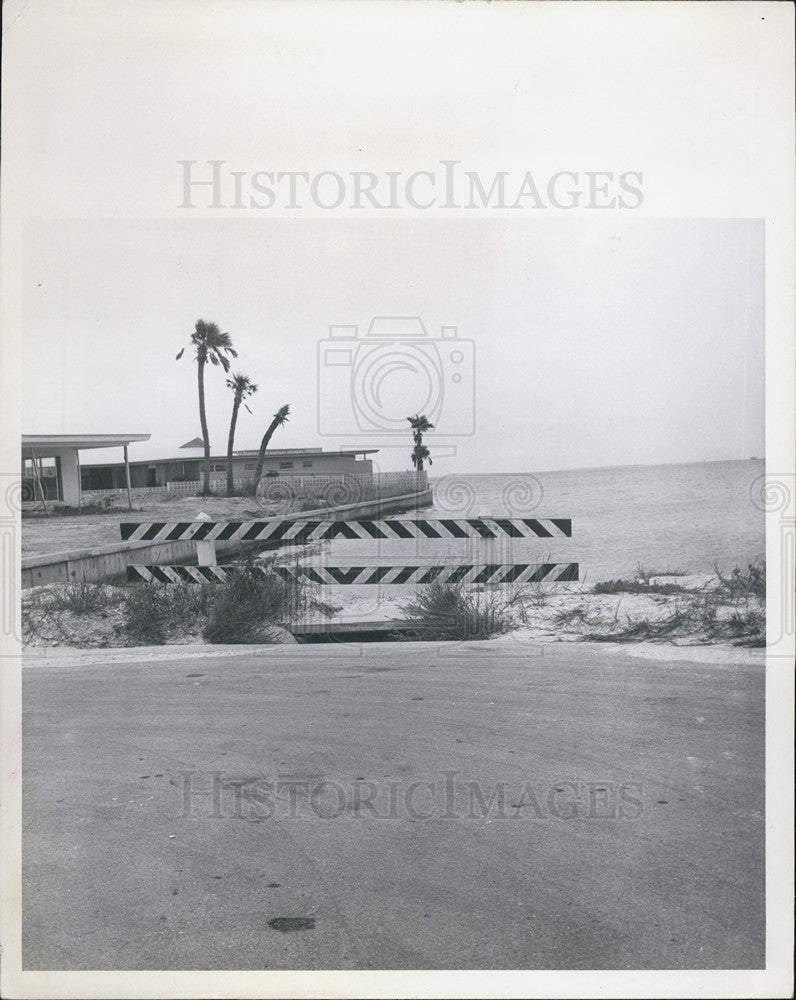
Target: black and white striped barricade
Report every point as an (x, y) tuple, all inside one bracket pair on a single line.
[(471, 573), (298, 531), (484, 566)]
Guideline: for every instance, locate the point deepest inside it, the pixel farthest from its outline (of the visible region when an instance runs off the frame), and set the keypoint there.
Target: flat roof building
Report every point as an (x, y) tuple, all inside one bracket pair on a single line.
[(280, 461), (51, 463)]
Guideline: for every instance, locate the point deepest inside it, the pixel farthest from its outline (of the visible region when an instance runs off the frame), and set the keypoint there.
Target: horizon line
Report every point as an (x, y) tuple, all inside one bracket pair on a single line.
[(595, 468)]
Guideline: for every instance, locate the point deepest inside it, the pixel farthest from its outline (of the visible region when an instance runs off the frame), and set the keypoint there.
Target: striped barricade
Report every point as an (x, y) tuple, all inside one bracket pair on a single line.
[(297, 531), (301, 530), (364, 575)]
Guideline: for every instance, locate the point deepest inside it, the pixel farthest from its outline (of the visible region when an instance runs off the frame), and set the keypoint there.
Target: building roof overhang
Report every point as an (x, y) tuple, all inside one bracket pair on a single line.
[(282, 455), (53, 442)]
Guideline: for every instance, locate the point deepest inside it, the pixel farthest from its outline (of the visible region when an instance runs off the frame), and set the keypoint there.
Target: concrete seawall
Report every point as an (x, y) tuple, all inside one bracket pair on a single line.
[(369, 508), (105, 561)]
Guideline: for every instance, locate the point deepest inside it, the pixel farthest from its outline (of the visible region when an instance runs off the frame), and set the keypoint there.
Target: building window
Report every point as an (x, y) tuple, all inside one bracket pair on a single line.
[(248, 466), (285, 465), (307, 465), (42, 477), (218, 468)]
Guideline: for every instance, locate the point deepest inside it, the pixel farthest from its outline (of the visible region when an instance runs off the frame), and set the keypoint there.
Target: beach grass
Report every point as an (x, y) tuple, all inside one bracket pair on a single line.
[(637, 587), (695, 616), (248, 607), (728, 608), (448, 612), (153, 613), (645, 574)]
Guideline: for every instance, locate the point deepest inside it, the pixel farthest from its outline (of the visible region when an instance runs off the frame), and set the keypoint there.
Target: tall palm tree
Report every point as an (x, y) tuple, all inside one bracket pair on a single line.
[(420, 424), (211, 345), (280, 418), (242, 387)]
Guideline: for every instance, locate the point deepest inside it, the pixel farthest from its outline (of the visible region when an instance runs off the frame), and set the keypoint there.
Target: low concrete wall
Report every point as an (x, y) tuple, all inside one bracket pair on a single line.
[(112, 560), (106, 560), (367, 509)]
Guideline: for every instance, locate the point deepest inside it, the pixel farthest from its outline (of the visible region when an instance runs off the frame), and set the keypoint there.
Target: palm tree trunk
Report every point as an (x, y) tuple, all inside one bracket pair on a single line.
[(258, 472), (203, 420), (231, 444)]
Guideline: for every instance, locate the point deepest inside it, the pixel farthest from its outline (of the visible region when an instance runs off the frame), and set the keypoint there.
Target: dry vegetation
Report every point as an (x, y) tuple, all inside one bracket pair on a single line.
[(248, 609), (727, 609)]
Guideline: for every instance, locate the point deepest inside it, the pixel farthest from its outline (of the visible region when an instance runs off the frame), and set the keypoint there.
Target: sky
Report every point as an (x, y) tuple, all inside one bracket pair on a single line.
[(584, 343), (586, 338)]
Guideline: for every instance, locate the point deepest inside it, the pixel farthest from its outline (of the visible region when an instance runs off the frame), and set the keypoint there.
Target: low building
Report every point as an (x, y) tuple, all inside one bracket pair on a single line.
[(278, 461), (51, 467)]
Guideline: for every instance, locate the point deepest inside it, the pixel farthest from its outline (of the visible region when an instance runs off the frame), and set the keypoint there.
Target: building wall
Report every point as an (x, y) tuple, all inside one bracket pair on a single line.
[(110, 477), (299, 465)]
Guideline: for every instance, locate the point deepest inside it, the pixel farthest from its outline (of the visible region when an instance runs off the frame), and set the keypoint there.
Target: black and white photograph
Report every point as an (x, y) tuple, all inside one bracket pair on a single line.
[(398, 533)]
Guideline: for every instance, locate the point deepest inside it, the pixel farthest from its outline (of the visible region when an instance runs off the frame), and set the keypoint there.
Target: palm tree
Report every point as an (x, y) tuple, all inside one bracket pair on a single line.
[(280, 417), (211, 345), (242, 387), (420, 424), (419, 454)]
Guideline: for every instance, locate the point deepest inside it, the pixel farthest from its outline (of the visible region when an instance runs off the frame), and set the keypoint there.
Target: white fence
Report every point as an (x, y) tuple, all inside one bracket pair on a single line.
[(89, 497), (339, 487), (286, 485)]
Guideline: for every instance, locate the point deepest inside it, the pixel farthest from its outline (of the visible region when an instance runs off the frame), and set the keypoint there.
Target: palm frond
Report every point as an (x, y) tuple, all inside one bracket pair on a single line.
[(420, 422), (242, 385), (210, 342)]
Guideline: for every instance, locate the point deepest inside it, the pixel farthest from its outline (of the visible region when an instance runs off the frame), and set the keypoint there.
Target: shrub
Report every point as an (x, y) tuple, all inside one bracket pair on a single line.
[(447, 611), (155, 611), (144, 619), (83, 598), (742, 584), (747, 628), (246, 608)]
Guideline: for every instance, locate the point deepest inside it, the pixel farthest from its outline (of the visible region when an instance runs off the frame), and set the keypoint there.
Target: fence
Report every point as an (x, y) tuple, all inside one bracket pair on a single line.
[(89, 497), (301, 485)]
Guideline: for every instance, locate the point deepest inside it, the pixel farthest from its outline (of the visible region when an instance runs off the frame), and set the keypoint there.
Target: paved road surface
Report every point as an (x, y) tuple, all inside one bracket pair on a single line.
[(577, 809)]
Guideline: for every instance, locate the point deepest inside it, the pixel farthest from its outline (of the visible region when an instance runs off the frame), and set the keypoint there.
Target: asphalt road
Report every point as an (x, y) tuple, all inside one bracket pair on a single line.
[(385, 806)]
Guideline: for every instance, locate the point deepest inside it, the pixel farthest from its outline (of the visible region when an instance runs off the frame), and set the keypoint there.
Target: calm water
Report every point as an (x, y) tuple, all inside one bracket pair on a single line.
[(683, 517)]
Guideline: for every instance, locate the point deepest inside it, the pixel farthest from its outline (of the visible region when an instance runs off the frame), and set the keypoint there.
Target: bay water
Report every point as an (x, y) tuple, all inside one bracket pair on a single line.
[(686, 518)]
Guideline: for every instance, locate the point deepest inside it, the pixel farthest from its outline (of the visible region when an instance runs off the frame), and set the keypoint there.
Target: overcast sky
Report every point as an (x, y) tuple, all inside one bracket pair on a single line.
[(595, 343), (599, 337)]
